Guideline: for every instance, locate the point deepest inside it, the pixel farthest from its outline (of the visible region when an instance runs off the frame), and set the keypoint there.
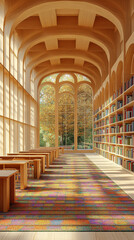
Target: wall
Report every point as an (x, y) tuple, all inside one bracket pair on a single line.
[(18, 109)]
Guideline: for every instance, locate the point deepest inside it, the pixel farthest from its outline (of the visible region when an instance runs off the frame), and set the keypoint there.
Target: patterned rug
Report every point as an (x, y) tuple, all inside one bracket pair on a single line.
[(72, 195)]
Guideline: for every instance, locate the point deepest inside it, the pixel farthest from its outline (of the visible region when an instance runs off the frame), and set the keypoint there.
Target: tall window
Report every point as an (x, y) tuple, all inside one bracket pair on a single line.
[(47, 116), (66, 121), (84, 116), (66, 100)]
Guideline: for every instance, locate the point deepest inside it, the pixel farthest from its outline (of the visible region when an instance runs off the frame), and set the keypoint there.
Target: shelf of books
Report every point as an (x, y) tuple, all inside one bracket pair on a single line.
[(114, 127)]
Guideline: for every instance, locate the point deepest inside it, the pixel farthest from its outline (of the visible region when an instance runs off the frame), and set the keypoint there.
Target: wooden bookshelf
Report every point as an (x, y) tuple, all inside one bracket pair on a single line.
[(114, 125)]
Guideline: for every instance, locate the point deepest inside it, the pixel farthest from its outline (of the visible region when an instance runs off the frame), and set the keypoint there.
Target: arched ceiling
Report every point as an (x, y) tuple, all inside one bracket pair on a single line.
[(84, 36)]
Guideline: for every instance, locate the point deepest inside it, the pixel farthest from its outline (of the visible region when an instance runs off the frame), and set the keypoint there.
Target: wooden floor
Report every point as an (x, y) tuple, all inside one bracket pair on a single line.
[(67, 236), (120, 176)]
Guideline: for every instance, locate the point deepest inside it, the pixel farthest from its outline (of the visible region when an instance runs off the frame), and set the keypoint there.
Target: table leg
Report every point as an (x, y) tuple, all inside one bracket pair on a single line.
[(36, 169), (6, 194), (57, 152), (51, 157), (43, 164), (47, 160), (12, 189), (1, 194), (23, 176)]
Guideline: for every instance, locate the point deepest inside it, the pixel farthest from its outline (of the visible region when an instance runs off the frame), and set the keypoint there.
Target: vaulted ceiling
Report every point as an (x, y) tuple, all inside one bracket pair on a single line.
[(68, 36)]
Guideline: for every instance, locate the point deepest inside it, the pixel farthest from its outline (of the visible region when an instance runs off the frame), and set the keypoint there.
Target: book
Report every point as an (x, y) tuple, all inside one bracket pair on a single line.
[(113, 108), (129, 112), (129, 152), (120, 117), (120, 139), (129, 127), (129, 98), (113, 119), (129, 83), (119, 104), (119, 128), (129, 140)]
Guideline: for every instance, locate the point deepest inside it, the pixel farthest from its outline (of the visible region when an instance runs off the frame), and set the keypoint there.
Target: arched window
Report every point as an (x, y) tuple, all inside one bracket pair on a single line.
[(66, 77), (51, 78), (47, 116), (81, 78), (66, 120), (84, 117)]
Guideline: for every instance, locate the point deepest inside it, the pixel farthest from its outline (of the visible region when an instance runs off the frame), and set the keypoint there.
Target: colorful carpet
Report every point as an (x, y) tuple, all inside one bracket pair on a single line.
[(72, 195)]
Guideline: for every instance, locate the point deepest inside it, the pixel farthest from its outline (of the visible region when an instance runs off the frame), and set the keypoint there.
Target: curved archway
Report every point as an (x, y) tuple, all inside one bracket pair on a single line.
[(108, 11), (129, 62)]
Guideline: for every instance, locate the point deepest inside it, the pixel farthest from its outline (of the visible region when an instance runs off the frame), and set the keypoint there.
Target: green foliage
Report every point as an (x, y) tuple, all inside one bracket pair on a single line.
[(42, 142), (66, 120)]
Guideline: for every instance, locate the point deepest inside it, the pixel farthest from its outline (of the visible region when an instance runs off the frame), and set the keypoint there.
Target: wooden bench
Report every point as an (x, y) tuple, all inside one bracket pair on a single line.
[(27, 157), (7, 189)]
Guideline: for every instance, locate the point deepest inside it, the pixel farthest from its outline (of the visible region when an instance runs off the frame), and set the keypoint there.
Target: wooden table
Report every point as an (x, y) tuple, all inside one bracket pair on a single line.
[(43, 149), (38, 152), (55, 149), (28, 153), (7, 189), (27, 157), (62, 149), (19, 165), (36, 162)]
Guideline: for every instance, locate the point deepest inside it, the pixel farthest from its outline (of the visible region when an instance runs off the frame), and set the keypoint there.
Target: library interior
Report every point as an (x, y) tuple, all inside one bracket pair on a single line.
[(66, 116)]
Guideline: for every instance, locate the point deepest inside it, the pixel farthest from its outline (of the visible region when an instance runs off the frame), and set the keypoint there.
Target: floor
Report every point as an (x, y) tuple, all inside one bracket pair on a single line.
[(122, 177), (67, 236), (119, 176)]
